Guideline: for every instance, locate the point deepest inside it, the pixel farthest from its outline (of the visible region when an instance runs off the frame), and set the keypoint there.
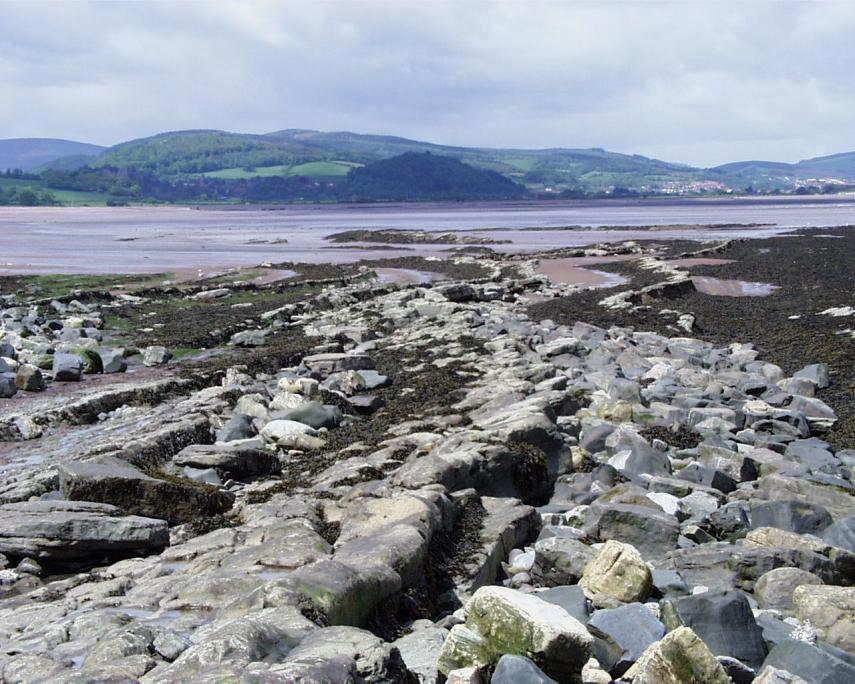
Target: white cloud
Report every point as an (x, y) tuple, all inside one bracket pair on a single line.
[(701, 83)]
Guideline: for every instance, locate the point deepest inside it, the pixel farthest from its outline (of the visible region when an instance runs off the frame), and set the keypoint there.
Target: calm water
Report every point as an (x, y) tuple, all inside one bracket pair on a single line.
[(152, 239)]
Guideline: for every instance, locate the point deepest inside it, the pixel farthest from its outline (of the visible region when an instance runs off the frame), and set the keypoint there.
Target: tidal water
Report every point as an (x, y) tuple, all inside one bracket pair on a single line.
[(179, 239)]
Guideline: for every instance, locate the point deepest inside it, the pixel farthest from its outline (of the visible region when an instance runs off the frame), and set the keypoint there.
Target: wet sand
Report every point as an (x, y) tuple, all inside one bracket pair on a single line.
[(406, 276)]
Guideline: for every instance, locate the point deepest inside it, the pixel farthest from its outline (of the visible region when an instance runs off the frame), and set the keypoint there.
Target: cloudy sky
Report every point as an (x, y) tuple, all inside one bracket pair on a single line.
[(701, 83)]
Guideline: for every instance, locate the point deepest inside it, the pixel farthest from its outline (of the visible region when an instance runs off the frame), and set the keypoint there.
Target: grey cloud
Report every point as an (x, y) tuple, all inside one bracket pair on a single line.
[(701, 83)]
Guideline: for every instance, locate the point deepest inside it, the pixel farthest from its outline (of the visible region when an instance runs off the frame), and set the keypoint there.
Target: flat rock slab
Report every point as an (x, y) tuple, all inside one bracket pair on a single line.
[(115, 482), (73, 530)]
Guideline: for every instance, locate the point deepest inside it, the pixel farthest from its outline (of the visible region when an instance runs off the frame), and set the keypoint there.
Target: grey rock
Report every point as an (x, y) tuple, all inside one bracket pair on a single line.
[(156, 356), (559, 561), (65, 530), (7, 387), (793, 516), (841, 533), (653, 532), (239, 426), (812, 664), (113, 360), (515, 669), (816, 373), (29, 378), (572, 599), (376, 661), (775, 588), (67, 367), (726, 624), (623, 634)]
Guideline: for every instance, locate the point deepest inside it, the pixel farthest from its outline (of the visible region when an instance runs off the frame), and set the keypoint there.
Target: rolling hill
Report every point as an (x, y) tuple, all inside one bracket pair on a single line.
[(28, 154), (214, 165)]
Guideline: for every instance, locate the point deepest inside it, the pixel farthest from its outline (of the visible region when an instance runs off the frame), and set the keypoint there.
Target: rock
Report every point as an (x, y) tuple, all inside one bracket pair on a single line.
[(156, 356), (316, 415), (831, 611), (376, 661), (515, 669), (504, 621), (29, 378), (841, 534), (67, 367), (680, 658), (250, 338), (794, 516), (816, 373), (366, 404), (617, 573), (325, 364), (559, 561), (238, 427), (813, 665), (7, 387), (69, 530), (726, 624), (650, 530), (420, 649), (216, 293), (237, 460), (291, 435), (572, 599), (772, 675), (774, 590), (113, 360), (465, 675), (116, 482), (623, 634)]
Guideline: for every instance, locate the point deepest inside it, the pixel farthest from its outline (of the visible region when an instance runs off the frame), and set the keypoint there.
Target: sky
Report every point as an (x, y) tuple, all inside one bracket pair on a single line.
[(701, 83)]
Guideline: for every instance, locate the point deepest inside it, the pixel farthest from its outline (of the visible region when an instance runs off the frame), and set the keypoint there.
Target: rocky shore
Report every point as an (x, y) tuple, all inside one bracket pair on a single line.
[(488, 478)]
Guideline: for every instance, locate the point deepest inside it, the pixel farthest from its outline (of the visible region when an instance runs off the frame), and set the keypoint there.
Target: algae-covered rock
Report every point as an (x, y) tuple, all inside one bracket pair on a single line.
[(617, 574), (503, 621), (679, 658)]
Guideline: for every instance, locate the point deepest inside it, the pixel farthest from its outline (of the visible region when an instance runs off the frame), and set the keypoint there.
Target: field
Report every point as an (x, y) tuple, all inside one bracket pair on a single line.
[(67, 197), (315, 169)]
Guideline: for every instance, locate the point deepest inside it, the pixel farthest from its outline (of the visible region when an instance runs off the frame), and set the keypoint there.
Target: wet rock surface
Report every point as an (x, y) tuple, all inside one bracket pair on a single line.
[(382, 483)]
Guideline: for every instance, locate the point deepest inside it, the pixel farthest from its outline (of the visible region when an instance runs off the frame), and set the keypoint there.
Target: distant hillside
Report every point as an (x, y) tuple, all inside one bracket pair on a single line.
[(418, 176), (308, 165), (839, 167), (31, 153)]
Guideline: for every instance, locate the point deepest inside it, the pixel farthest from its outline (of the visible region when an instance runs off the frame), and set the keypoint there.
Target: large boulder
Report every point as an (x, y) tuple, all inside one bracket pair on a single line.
[(617, 574), (377, 662), (113, 481), (559, 561), (831, 611), (774, 590), (29, 378), (726, 624), (515, 669), (813, 665), (794, 516), (504, 621), (7, 387), (680, 658), (156, 356), (67, 367), (74, 530), (650, 530), (623, 634)]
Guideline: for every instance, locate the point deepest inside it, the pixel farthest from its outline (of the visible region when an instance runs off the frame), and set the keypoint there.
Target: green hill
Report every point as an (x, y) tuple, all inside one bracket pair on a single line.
[(839, 167), (421, 176)]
